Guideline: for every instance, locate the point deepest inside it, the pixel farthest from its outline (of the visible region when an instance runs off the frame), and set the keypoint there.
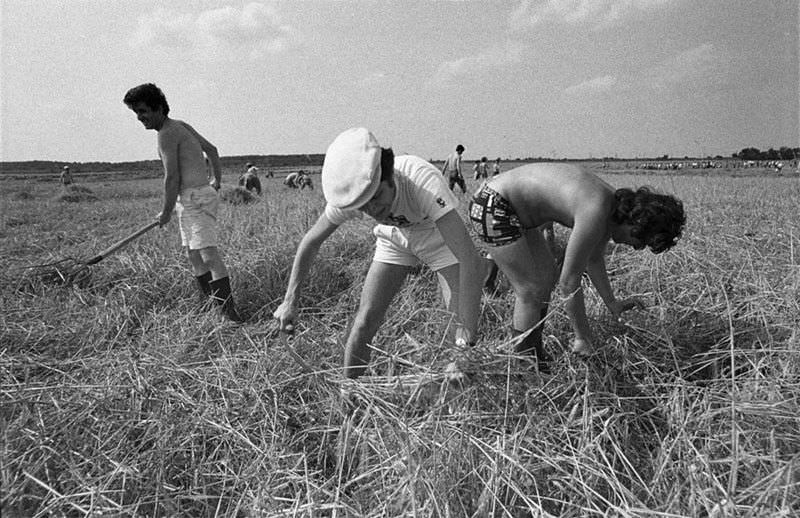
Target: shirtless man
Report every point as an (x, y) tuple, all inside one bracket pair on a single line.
[(187, 191), (508, 211), (418, 222), (452, 169)]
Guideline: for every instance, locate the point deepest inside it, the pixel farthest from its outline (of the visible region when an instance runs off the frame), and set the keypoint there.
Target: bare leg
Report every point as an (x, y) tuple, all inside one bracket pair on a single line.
[(530, 268), (212, 260), (381, 285), (196, 261)]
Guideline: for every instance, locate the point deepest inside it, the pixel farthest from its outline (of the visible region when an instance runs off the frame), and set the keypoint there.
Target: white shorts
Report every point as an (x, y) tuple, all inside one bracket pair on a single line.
[(411, 247), (197, 216)]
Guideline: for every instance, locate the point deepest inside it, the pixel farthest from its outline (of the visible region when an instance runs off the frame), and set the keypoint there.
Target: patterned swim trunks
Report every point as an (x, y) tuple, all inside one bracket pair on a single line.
[(494, 218)]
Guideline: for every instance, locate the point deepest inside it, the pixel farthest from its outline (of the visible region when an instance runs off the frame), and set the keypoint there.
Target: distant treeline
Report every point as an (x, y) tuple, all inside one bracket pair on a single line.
[(315, 159), (783, 153), (235, 162)]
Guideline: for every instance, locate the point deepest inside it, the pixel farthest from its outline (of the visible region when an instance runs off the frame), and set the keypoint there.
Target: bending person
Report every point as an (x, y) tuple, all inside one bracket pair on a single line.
[(508, 212), (418, 222)]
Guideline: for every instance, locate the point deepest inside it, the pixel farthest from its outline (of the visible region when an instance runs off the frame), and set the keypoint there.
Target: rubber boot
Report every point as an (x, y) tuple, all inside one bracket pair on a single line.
[(490, 282), (532, 345), (221, 294), (203, 281)]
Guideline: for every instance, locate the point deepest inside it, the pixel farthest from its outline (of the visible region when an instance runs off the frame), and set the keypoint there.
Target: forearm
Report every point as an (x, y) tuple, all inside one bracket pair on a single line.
[(470, 294), (304, 258), (171, 191), (599, 277), (575, 307), (216, 166)]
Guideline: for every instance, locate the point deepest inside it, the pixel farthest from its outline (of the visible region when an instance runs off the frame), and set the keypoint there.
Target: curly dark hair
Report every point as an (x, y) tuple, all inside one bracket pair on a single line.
[(148, 93), (656, 219)]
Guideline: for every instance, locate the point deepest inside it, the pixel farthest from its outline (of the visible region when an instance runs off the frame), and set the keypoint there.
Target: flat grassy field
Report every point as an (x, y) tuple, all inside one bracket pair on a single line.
[(121, 395)]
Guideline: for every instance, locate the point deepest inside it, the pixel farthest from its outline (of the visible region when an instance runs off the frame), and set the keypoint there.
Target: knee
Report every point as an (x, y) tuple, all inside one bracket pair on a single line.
[(209, 254), (533, 294), (194, 255), (366, 322)]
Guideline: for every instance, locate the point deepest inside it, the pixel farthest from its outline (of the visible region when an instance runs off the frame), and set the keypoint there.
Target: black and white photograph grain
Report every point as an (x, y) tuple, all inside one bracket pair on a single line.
[(400, 259)]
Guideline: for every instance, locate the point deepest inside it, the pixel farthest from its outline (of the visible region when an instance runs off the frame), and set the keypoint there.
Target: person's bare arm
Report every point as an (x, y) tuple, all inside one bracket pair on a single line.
[(211, 152), (587, 234), (168, 143), (470, 272), (303, 259), (596, 268)]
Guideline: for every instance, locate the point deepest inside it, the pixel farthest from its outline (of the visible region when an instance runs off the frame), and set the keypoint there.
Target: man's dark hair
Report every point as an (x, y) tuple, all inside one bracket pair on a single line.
[(149, 94), (387, 164), (459, 148), (656, 219)]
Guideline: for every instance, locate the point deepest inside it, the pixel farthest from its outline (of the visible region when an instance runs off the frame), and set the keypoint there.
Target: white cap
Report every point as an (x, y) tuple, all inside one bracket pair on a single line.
[(351, 171)]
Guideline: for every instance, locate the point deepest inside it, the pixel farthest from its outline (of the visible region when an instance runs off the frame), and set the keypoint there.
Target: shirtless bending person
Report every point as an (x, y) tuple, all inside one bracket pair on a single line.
[(510, 207)]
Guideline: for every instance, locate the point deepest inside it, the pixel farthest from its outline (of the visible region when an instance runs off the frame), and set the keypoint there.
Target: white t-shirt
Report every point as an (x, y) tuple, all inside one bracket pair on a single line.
[(422, 197)]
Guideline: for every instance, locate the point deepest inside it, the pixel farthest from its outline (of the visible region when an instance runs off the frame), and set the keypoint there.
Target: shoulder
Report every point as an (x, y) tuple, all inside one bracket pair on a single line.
[(414, 167), (172, 130)]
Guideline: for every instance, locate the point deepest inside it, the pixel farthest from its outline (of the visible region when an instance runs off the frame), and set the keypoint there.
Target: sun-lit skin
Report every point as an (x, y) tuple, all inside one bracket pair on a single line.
[(151, 119), (379, 206)]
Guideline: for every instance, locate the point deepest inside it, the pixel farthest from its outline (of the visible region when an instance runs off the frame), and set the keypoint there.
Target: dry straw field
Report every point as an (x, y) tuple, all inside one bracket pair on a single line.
[(121, 396)]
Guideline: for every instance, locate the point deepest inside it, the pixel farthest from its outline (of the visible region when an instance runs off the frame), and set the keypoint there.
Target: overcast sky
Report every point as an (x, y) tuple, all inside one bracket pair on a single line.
[(512, 78)]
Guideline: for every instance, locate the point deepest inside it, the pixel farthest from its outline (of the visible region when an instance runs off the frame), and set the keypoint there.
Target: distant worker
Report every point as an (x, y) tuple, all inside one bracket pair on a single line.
[(66, 176), (291, 179), (304, 180), (187, 191), (476, 170), (249, 179), (484, 168), (452, 169), (496, 168)]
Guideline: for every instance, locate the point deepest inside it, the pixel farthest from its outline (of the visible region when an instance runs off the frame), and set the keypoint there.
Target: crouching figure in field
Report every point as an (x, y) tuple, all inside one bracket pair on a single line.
[(298, 180), (418, 222), (250, 181), (509, 210)]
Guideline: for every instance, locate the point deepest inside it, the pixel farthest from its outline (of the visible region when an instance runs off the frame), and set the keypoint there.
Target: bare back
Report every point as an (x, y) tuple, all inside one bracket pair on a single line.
[(191, 160), (561, 193)]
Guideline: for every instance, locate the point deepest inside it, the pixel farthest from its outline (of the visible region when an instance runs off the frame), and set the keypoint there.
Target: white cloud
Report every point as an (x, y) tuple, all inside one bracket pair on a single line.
[(595, 85), (701, 63), (499, 56), (251, 31), (696, 63), (595, 13)]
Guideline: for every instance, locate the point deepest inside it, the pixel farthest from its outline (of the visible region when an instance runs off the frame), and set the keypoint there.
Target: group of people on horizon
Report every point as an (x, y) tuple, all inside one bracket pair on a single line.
[(418, 222), (451, 169)]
